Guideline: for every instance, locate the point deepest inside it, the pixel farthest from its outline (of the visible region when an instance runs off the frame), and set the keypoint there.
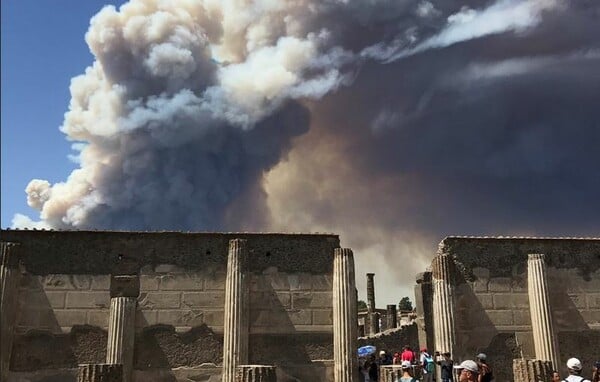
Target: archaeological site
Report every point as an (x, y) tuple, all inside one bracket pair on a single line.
[(95, 306)]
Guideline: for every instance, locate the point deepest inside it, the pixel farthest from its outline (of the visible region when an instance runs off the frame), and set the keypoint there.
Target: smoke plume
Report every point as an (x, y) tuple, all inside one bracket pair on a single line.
[(392, 123)]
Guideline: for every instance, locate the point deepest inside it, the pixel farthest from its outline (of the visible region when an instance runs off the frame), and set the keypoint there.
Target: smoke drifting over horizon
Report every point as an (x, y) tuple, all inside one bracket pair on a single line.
[(393, 123)]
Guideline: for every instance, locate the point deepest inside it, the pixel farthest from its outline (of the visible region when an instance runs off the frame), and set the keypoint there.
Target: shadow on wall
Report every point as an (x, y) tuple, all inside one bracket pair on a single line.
[(476, 333), (274, 340)]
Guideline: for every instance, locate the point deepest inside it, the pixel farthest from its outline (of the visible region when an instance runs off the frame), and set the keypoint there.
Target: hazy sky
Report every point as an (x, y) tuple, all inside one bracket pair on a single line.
[(392, 123)]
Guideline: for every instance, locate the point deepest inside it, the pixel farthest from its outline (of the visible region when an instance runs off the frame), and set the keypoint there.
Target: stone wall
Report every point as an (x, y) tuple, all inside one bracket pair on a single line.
[(491, 301), (393, 340), (64, 297)]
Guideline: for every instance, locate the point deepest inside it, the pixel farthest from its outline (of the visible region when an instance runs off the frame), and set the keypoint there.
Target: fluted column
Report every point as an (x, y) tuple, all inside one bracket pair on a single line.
[(121, 334), (443, 303), (100, 372), (236, 326), (344, 317), (541, 316), (9, 284), (392, 316), (528, 370), (256, 373)]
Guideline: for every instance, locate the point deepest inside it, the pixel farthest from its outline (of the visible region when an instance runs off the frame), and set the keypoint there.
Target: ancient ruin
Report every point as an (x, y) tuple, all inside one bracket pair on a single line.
[(166, 306)]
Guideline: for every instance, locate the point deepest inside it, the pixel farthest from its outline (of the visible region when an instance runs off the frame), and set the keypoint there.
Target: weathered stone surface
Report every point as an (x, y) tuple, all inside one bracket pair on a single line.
[(66, 281), (159, 300), (298, 348), (526, 370), (203, 299), (76, 300), (121, 336), (443, 281), (10, 257)]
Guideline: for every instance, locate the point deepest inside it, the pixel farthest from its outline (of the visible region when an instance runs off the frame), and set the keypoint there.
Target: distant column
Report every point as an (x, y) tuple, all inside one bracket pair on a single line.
[(344, 317), (392, 316), (9, 285), (372, 318), (443, 303), (236, 325), (544, 339), (100, 372)]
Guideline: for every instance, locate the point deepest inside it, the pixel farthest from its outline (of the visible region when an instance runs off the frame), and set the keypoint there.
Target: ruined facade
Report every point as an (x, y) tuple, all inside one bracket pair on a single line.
[(512, 298), (162, 304)]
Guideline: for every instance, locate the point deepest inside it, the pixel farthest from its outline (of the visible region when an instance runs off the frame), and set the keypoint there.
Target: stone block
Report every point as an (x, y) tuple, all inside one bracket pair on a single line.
[(87, 300), (322, 317), (277, 281), (34, 299), (68, 282), (300, 281), (56, 299), (500, 317), (591, 317), (47, 319), (145, 318), (182, 281), (214, 318), (593, 301), (204, 299), (522, 317), (168, 268), (215, 281), (187, 317), (149, 282), (284, 300), (98, 318), (159, 300), (70, 317), (579, 300), (499, 284), (302, 300), (29, 281), (322, 282), (511, 301), (100, 282), (124, 286), (480, 286), (300, 316), (486, 301), (481, 273)]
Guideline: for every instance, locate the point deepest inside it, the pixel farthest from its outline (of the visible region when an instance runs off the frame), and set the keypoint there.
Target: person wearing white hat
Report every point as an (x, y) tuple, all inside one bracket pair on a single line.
[(574, 366), (469, 371), (407, 368)]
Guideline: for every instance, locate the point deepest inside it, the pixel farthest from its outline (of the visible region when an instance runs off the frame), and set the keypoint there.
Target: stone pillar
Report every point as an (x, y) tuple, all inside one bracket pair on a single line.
[(443, 303), (528, 370), (9, 288), (424, 306), (544, 340), (100, 372), (255, 373), (371, 292), (373, 323), (392, 317), (236, 325), (344, 317), (124, 291)]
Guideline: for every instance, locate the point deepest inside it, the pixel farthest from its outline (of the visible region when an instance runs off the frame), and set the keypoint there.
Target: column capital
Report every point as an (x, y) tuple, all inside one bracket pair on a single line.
[(536, 256)]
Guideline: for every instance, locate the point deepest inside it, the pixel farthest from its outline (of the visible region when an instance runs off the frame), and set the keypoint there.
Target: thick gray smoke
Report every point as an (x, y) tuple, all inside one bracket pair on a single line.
[(393, 123)]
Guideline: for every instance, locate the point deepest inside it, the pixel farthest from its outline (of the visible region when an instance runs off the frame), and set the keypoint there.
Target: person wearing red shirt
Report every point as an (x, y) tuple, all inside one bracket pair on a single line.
[(407, 354)]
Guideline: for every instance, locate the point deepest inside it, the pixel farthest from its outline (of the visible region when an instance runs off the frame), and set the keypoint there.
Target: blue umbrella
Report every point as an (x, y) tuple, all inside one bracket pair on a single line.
[(364, 351)]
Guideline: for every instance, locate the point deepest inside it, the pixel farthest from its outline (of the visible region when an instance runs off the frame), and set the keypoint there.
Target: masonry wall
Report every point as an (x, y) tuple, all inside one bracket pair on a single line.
[(64, 299), (492, 306)]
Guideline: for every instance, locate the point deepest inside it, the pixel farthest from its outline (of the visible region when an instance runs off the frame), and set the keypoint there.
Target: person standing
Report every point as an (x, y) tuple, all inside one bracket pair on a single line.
[(485, 371), (407, 354), (556, 376), (469, 371), (596, 372), (574, 366), (427, 365), (406, 372), (446, 365)]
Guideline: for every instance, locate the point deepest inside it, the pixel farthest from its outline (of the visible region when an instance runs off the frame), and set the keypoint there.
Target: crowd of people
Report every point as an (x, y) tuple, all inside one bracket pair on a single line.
[(421, 368)]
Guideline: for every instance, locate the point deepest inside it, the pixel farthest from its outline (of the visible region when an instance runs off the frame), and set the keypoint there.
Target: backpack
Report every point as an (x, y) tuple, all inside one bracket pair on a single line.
[(429, 365)]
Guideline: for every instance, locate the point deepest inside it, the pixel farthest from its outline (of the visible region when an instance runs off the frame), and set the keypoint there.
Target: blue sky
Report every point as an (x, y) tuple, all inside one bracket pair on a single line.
[(43, 47)]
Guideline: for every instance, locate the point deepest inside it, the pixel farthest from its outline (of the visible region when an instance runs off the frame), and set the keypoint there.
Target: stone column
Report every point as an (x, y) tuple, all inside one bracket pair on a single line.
[(528, 370), (390, 373), (344, 317), (100, 372), (424, 305), (392, 316), (255, 373), (236, 325), (544, 339), (9, 288), (371, 292), (124, 291), (443, 303)]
